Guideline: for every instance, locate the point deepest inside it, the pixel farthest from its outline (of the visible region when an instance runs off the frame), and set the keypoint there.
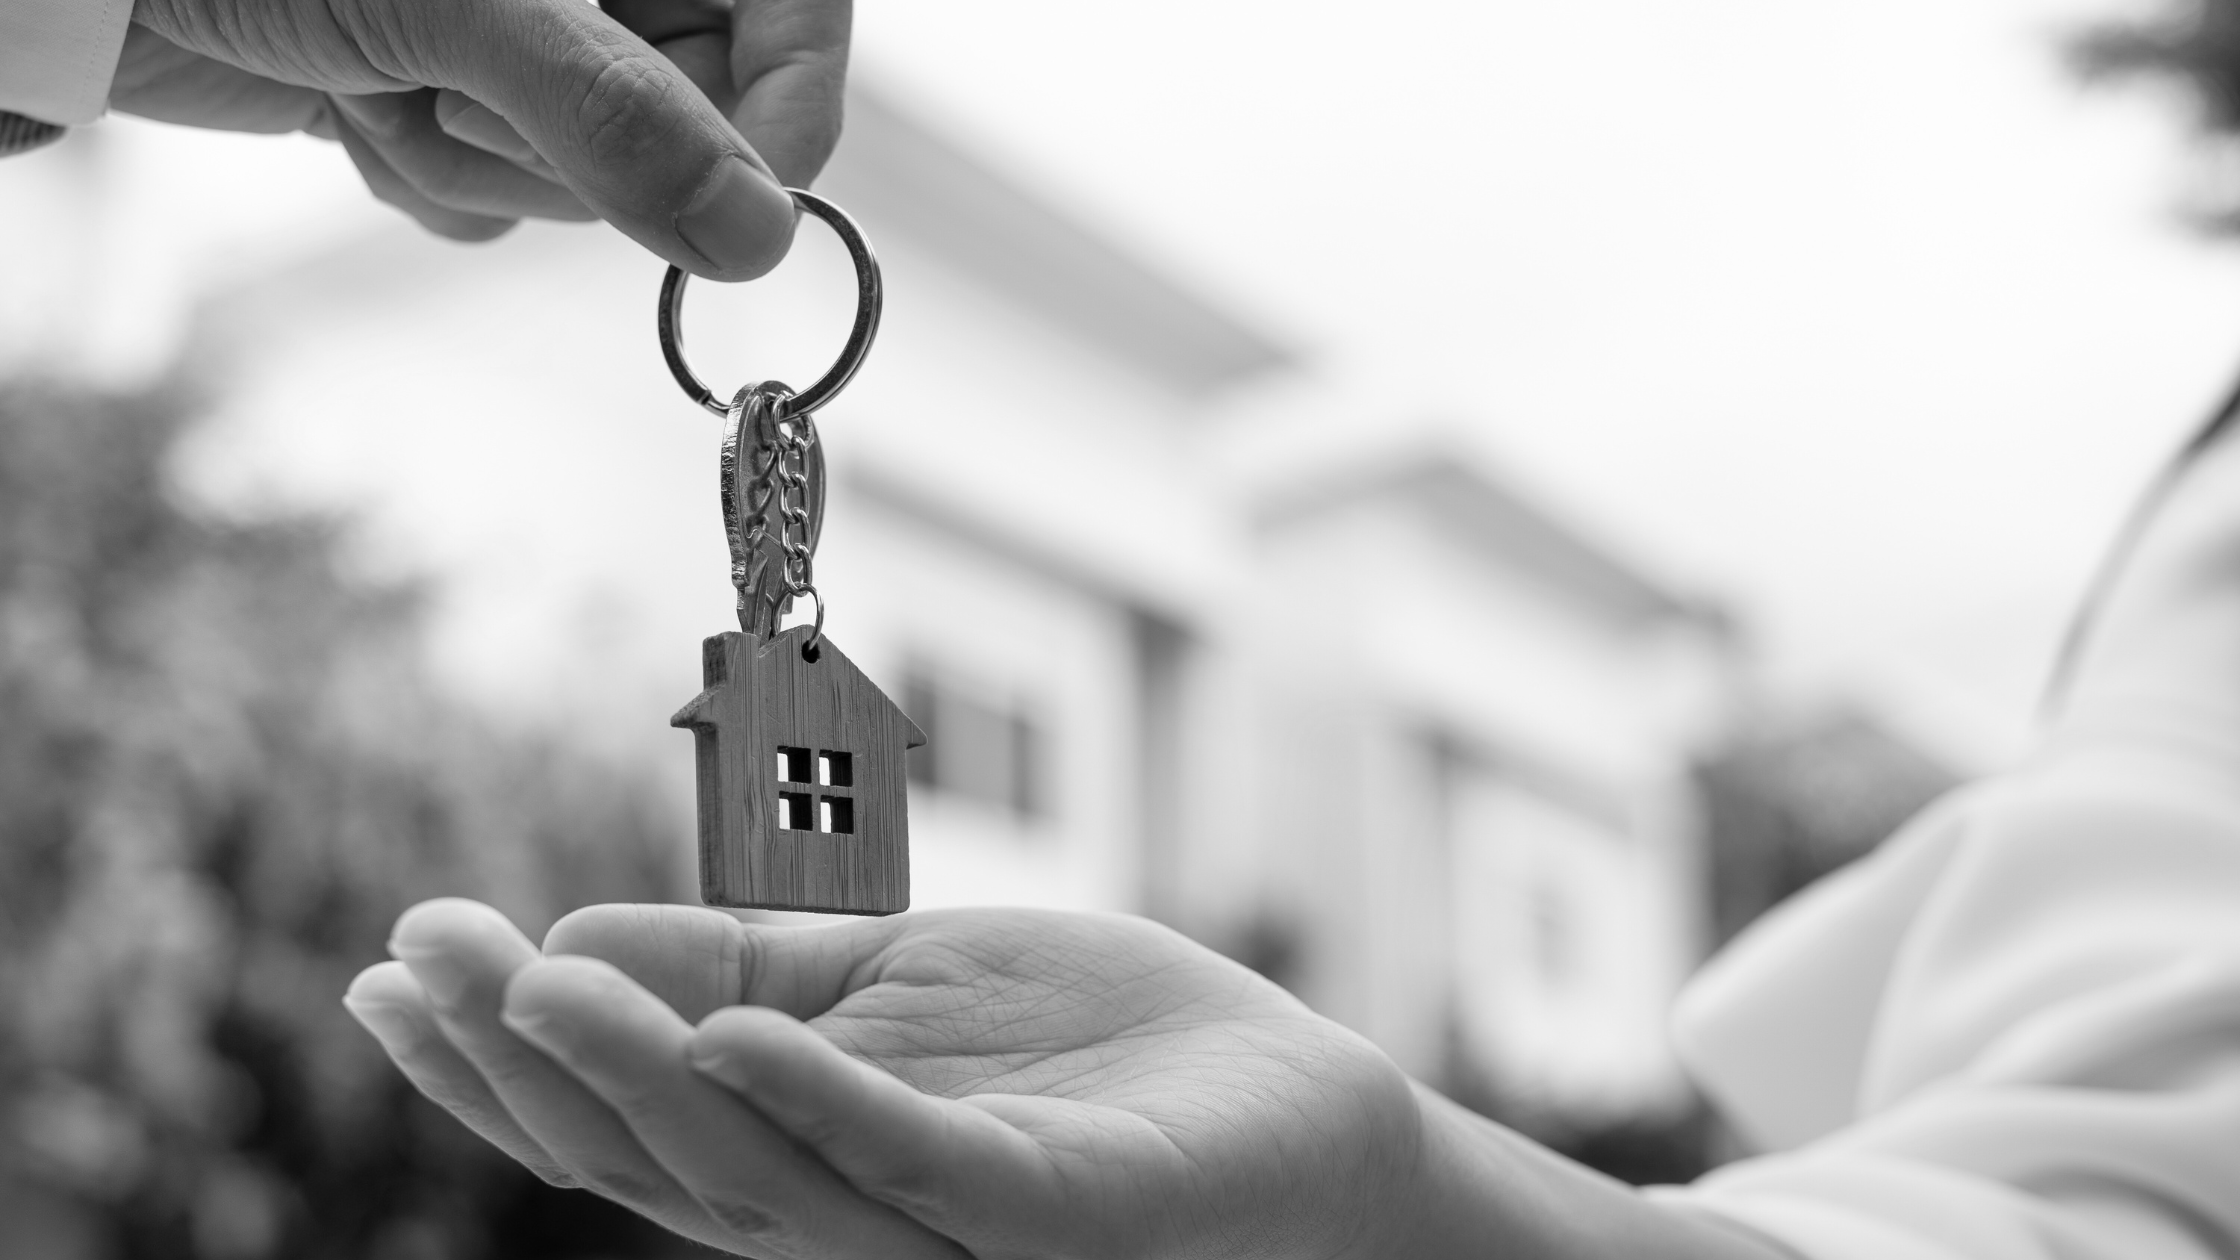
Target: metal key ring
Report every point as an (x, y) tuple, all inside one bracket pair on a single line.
[(869, 298)]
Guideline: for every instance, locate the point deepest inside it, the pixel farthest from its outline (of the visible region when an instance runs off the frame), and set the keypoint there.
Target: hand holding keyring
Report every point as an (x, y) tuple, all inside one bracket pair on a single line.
[(679, 122)]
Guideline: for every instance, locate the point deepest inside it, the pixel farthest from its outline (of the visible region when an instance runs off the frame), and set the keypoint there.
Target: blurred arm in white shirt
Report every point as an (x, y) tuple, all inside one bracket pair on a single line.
[(2014, 1033)]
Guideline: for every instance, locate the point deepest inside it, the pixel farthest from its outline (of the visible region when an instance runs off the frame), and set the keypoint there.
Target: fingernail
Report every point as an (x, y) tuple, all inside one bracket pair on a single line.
[(381, 113), (723, 1072), (392, 1026), (538, 1030), (438, 972), (726, 1069), (739, 220)]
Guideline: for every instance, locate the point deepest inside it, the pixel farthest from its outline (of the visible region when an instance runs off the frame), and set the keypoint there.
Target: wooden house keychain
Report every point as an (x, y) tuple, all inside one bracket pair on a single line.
[(802, 793)]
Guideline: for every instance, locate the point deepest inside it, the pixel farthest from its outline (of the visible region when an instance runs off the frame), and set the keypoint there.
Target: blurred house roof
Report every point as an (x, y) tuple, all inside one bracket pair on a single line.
[(1494, 523), (987, 534), (897, 171), (907, 178)]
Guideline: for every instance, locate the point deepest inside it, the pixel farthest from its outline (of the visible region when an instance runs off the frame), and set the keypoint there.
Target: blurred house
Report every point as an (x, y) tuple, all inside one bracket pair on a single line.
[(1476, 815), (1392, 733)]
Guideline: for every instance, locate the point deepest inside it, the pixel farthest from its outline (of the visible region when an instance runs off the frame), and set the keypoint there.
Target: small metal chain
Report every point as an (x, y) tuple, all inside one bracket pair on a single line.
[(771, 474), (790, 481), (768, 461)]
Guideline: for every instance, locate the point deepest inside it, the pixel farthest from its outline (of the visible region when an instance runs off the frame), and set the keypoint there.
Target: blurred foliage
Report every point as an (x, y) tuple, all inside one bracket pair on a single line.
[(224, 769), (2195, 46), (1797, 798), (2195, 42)]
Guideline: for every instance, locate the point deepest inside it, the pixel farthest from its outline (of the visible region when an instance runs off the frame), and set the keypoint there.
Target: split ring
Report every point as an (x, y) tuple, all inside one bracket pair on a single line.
[(870, 296), (809, 650)]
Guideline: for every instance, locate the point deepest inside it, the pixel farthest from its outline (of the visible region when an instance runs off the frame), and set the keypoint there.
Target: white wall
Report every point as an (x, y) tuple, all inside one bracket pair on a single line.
[(1461, 765), (1014, 640)]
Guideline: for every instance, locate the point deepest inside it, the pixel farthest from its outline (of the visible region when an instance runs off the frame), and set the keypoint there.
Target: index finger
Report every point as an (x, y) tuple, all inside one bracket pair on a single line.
[(789, 62), (694, 34), (630, 1049), (778, 69)]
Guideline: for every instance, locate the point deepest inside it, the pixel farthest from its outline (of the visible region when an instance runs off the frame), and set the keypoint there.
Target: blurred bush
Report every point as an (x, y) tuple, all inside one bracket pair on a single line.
[(224, 769), (1798, 796)]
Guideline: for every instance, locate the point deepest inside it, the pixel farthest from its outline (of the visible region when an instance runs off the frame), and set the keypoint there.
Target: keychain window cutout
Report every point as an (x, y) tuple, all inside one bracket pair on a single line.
[(793, 765), (794, 813), (833, 814)]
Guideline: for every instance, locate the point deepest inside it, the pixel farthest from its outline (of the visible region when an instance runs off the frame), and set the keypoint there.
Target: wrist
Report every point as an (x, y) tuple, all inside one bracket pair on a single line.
[(1482, 1190)]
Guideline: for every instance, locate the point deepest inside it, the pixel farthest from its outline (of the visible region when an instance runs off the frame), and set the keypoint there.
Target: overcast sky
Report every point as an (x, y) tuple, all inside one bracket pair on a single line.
[(1863, 317), (1866, 314)]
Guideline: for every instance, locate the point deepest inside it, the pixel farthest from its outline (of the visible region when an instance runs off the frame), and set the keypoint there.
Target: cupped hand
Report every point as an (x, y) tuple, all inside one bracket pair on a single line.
[(991, 1083), (676, 120)]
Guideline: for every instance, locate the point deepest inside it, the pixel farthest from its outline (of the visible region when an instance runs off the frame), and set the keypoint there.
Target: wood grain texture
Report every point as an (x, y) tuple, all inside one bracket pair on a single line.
[(760, 696)]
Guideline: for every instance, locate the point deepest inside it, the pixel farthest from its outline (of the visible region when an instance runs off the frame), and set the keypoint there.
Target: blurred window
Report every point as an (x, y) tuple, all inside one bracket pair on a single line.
[(994, 754)]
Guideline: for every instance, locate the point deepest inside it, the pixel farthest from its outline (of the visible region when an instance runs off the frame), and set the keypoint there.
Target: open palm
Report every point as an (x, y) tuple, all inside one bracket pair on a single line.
[(996, 1083)]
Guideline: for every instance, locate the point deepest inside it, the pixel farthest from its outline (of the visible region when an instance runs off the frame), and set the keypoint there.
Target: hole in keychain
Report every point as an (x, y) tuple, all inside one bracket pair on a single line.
[(810, 652)]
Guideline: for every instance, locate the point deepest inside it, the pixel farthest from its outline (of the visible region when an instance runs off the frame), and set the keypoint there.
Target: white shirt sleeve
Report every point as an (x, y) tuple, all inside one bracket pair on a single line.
[(2014, 1032), (57, 57)]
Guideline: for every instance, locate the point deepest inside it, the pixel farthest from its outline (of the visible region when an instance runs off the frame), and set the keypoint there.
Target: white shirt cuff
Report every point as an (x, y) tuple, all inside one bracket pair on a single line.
[(58, 57)]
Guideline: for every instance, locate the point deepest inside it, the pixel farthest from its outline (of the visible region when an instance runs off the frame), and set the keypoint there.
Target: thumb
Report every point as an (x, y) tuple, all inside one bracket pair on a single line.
[(628, 133)]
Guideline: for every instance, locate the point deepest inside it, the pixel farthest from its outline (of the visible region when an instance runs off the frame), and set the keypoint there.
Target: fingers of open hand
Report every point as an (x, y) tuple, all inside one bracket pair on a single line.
[(689, 957), (463, 953), (698, 960), (394, 1008), (629, 1048), (404, 130), (942, 1161)]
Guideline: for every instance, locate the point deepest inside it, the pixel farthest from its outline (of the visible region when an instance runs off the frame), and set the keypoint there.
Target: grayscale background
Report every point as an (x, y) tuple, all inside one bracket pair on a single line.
[(1460, 513)]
